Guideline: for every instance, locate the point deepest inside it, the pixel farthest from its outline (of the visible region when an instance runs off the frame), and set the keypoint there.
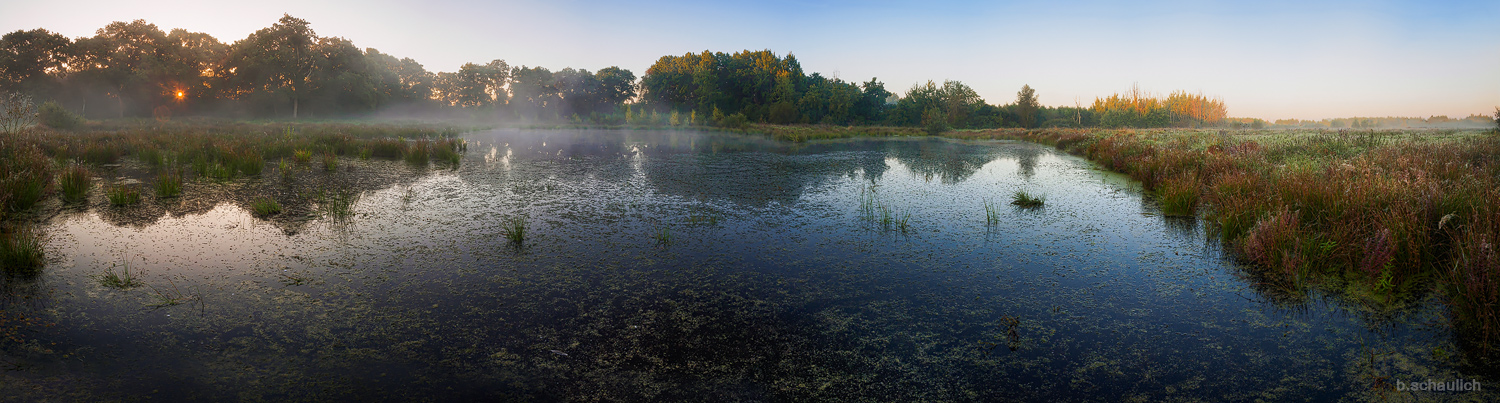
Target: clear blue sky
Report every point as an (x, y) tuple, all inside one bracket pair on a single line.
[(1270, 59)]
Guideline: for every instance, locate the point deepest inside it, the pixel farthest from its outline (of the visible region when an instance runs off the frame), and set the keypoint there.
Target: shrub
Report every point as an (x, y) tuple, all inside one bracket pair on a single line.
[(16, 112), (52, 115)]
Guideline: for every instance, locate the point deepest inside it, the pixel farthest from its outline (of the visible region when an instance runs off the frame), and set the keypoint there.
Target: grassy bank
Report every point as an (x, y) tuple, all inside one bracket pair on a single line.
[(1380, 217)]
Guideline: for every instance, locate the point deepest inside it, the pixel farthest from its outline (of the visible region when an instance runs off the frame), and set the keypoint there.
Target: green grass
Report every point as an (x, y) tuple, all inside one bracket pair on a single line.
[(1179, 196), (662, 234), (330, 162), (120, 280), (265, 207), (514, 229), (168, 184), (418, 154), (303, 157), (336, 204), (220, 172), (21, 251), (1025, 199), (75, 182), (123, 195), (991, 213)]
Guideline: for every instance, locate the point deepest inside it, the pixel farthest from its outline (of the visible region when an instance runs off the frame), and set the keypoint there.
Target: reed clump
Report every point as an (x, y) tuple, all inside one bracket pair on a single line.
[(21, 251), (168, 184), (1028, 200), (123, 195), (75, 182), (514, 229), (265, 207)]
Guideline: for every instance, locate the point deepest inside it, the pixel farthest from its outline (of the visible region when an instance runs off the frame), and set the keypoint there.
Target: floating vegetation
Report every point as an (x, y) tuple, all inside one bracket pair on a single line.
[(120, 280), (168, 184), (75, 182), (123, 195), (265, 207), (514, 229), (21, 251), (1027, 200)]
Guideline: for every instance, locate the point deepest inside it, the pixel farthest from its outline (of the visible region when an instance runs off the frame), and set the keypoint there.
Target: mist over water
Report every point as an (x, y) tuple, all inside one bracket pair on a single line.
[(680, 265)]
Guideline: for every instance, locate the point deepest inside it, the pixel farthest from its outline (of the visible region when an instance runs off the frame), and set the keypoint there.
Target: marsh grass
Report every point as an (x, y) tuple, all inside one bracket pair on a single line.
[(336, 204), (330, 162), (219, 172), (1179, 195), (991, 213), (75, 182), (168, 184), (119, 280), (123, 195), (285, 169), (514, 229), (265, 207), (173, 296), (21, 251), (25, 174), (418, 153), (302, 157), (662, 233), (1027, 200)]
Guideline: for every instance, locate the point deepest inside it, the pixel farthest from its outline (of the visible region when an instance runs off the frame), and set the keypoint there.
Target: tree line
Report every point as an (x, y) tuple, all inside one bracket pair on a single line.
[(286, 70)]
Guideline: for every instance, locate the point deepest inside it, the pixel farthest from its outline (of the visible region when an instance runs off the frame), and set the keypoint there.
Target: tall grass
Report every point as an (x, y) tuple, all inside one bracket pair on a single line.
[(514, 229), (265, 207), (21, 251), (123, 195), (991, 213), (75, 182), (168, 184)]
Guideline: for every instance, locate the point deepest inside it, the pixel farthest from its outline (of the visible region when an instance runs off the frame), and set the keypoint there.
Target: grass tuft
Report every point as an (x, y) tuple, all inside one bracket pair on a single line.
[(1027, 200), (119, 280), (265, 207), (123, 195), (514, 229), (21, 251), (168, 184), (75, 182)]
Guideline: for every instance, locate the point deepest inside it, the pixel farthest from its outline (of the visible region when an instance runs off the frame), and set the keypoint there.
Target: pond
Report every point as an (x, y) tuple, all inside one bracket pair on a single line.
[(693, 266)]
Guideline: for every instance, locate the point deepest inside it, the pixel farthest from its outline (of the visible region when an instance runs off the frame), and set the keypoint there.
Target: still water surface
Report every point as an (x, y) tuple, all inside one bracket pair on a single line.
[(699, 266)]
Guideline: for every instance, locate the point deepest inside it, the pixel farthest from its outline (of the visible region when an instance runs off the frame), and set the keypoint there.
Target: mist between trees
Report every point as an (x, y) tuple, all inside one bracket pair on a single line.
[(287, 71)]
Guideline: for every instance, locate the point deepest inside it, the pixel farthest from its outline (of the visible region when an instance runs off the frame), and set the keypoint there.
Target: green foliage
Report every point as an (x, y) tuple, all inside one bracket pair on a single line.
[(514, 229), (934, 121), (265, 207), (123, 195), (52, 115), (120, 280), (1026, 107), (330, 162), (1028, 200), (21, 251), (168, 184), (75, 182)]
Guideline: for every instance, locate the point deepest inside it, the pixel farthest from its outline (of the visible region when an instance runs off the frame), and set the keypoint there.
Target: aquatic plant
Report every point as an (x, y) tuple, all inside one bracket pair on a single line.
[(514, 228), (265, 206), (991, 213), (330, 162), (170, 296), (418, 153), (21, 251), (662, 234), (219, 171), (120, 280), (123, 195), (168, 184), (1025, 199), (337, 204), (25, 174), (75, 182)]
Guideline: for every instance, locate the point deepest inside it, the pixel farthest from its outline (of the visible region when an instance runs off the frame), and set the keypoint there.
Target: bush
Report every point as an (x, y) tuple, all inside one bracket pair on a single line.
[(55, 116), (16, 112), (736, 121)]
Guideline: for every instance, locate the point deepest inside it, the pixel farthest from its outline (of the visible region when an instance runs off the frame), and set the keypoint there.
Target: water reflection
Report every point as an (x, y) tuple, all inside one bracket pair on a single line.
[(771, 274)]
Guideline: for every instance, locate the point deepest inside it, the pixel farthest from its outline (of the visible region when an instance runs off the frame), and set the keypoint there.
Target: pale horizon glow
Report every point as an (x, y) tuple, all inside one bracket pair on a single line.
[(1271, 60)]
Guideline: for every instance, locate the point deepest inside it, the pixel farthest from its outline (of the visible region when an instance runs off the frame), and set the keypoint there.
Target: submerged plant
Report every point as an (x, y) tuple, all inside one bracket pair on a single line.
[(120, 280), (123, 195), (265, 207), (75, 183), (514, 229), (1027, 200)]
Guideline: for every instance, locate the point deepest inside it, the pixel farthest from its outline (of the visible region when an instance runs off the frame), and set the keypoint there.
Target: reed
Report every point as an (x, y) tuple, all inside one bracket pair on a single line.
[(265, 207), (1028, 200), (75, 182), (514, 229), (168, 184), (21, 251), (123, 195)]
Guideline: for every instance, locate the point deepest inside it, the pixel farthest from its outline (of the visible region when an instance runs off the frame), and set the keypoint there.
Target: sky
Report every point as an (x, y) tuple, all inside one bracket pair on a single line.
[(1307, 59)]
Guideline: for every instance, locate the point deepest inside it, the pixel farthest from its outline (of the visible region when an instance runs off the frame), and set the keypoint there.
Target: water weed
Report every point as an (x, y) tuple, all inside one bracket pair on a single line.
[(120, 280), (514, 229)]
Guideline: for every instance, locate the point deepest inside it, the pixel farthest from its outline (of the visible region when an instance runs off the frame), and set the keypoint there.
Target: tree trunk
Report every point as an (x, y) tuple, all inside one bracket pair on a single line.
[(294, 108)]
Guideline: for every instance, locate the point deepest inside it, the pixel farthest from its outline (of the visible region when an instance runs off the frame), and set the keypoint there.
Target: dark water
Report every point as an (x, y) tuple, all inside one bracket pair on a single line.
[(706, 267)]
